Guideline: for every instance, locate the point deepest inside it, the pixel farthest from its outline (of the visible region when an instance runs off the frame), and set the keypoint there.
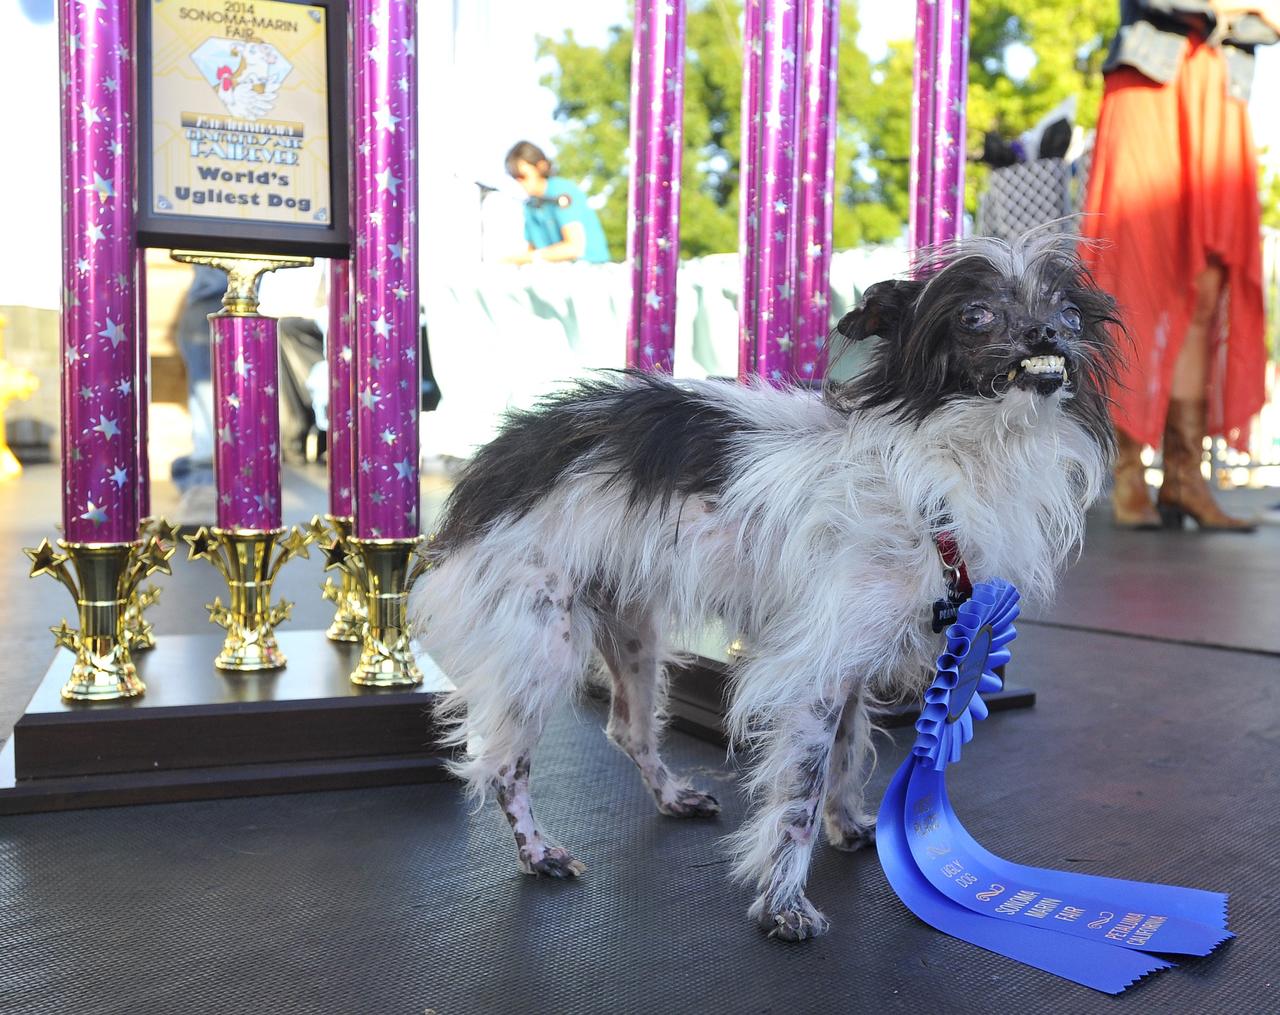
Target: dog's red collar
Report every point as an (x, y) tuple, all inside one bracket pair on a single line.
[(958, 584)]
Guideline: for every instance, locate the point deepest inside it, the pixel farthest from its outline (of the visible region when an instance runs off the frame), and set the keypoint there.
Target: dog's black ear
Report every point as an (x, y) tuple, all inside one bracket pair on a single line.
[(885, 308)]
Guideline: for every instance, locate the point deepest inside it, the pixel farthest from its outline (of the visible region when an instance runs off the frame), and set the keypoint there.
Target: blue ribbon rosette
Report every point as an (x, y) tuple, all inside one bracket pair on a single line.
[(1104, 933)]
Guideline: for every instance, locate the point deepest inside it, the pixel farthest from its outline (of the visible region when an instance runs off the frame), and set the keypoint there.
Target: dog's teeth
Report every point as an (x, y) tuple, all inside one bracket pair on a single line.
[(1044, 365), (1014, 372)]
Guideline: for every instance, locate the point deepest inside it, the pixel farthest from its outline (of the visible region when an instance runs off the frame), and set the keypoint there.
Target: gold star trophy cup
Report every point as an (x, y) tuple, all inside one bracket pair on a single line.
[(102, 578)]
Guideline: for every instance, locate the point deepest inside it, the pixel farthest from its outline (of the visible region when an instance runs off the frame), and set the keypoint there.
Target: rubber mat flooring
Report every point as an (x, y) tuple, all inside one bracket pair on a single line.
[(1145, 757)]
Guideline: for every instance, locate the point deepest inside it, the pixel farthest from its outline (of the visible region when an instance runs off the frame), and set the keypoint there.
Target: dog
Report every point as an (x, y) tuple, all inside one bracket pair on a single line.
[(620, 514)]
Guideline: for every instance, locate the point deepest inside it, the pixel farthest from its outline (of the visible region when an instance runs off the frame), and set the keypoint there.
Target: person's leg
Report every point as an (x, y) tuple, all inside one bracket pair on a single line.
[(1184, 490), (1130, 500), (194, 343), (1131, 506), (200, 405), (1191, 368), (301, 348)]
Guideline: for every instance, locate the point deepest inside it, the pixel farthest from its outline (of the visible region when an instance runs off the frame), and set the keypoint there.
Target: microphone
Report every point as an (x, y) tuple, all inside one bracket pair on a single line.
[(560, 201)]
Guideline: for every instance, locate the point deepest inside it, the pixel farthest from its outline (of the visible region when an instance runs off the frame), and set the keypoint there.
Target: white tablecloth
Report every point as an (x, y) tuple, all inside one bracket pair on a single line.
[(502, 336)]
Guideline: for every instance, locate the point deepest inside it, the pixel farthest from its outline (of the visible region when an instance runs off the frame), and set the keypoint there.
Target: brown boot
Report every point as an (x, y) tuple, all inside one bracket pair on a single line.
[(1185, 490), (1130, 499)]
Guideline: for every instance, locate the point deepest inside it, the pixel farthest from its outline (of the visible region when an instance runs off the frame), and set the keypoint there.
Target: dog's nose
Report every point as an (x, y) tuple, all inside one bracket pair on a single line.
[(1040, 333)]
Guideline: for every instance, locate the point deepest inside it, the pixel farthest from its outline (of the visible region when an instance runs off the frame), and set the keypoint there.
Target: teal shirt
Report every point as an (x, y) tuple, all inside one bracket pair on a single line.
[(564, 202)]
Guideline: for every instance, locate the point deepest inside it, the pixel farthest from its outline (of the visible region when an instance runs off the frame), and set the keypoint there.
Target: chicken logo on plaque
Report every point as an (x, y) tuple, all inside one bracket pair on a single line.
[(245, 76)]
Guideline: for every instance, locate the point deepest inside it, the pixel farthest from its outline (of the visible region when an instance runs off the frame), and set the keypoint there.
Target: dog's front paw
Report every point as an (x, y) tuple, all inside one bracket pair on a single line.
[(690, 803), (796, 920), (554, 863), (849, 835)]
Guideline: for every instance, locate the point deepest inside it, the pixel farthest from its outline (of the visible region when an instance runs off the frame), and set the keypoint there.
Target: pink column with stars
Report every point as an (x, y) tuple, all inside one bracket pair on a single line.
[(749, 186), (657, 144), (950, 79), (246, 418), (771, 167), (817, 187), (922, 125), (99, 262), (938, 122), (385, 279)]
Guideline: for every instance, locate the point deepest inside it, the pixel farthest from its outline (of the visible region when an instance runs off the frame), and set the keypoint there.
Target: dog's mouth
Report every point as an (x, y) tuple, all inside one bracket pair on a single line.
[(1043, 374)]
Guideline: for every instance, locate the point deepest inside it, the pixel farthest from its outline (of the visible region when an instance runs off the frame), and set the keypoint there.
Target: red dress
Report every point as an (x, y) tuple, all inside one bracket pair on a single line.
[(1174, 184)]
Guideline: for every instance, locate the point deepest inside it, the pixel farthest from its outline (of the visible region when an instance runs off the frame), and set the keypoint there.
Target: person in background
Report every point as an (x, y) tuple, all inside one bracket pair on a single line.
[(559, 225), (1172, 227), (193, 474), (302, 342), (298, 299)]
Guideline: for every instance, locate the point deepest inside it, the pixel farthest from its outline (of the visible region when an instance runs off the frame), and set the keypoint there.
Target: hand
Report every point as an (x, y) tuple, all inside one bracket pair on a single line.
[(522, 257), (1268, 10)]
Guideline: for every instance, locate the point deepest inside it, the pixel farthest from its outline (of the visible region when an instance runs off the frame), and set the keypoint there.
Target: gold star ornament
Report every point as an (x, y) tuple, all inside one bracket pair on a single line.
[(201, 544), (66, 637), (45, 559), (335, 555)]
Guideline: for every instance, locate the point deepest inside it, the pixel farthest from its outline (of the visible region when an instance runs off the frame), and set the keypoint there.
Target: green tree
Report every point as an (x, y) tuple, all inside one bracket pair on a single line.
[(1270, 187), (593, 89), (592, 85), (1068, 38)]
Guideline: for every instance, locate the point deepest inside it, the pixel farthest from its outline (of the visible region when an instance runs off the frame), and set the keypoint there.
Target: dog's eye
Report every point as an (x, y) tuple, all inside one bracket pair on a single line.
[(976, 317), (1071, 317)]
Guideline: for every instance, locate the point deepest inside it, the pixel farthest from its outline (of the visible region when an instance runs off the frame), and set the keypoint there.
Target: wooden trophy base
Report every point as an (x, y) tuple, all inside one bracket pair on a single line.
[(201, 733), (698, 691)]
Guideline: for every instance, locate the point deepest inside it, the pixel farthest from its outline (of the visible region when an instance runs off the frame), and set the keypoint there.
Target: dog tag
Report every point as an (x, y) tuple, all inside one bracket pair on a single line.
[(945, 612)]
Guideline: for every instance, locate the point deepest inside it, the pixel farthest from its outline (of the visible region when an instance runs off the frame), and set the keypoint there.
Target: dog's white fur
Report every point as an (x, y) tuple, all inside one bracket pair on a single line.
[(819, 551)]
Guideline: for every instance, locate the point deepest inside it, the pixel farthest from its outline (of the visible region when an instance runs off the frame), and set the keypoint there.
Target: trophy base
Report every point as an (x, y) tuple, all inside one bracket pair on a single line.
[(203, 733), (101, 679), (383, 665), (248, 650), (344, 628), (142, 639), (698, 689)]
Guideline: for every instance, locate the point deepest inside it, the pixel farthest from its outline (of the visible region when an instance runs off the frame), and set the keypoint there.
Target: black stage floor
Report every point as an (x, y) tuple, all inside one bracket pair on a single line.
[(1147, 756)]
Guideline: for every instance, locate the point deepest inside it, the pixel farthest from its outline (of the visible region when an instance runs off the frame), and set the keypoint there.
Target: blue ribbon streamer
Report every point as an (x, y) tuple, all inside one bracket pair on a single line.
[(1125, 914), (1093, 930), (1095, 965)]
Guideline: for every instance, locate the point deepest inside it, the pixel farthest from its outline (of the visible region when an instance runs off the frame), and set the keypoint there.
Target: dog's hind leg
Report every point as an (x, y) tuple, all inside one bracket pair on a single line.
[(777, 844), (537, 856), (512, 681), (630, 647), (848, 825)]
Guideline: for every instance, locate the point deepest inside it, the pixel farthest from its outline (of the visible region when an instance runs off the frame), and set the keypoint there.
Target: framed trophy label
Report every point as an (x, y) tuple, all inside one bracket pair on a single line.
[(243, 132)]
